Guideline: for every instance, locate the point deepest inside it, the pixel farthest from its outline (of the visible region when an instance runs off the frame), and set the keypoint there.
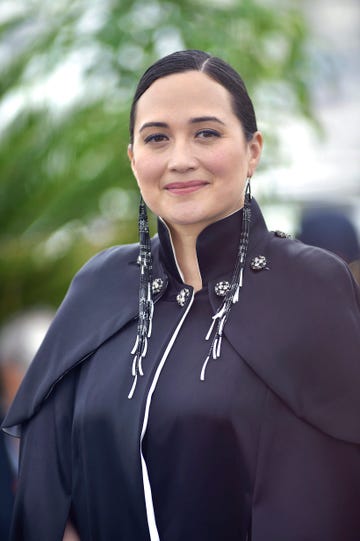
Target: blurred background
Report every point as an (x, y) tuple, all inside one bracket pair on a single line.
[(67, 73)]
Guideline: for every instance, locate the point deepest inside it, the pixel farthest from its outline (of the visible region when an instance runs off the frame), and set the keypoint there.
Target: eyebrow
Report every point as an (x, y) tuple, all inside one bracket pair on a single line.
[(194, 120), (153, 125), (206, 119)]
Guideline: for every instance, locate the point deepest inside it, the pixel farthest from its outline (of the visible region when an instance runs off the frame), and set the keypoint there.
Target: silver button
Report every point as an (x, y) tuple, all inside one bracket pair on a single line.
[(157, 285), (221, 288), (258, 263), (281, 234), (182, 296)]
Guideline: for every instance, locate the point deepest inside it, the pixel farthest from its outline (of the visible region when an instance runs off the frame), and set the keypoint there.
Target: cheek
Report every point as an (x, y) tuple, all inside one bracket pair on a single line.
[(147, 170), (226, 163)]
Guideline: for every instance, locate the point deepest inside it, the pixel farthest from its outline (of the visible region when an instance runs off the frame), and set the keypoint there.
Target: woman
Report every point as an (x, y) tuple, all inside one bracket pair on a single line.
[(234, 415)]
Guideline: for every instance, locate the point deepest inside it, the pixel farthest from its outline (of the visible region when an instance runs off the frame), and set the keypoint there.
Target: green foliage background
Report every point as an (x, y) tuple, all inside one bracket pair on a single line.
[(66, 189)]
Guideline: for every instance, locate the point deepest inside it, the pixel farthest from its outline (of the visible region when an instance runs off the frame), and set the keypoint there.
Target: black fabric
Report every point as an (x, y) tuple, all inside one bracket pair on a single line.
[(270, 437), (7, 488), (202, 438)]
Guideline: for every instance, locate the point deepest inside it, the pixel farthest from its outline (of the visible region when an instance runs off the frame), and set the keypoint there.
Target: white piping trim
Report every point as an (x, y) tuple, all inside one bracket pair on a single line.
[(154, 534), (173, 250), (171, 240)]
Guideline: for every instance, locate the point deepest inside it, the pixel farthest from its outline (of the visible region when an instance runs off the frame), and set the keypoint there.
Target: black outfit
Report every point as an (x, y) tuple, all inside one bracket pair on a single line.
[(7, 487), (267, 448)]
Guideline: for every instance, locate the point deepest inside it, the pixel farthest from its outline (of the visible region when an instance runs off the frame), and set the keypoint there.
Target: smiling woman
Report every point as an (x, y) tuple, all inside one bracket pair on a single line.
[(189, 153), (234, 415)]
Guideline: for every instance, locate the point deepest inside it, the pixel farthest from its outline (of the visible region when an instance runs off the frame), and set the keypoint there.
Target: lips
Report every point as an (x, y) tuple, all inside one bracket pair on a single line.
[(179, 188)]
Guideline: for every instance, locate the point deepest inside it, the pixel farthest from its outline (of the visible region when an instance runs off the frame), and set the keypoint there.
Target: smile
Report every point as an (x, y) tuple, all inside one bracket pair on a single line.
[(179, 188)]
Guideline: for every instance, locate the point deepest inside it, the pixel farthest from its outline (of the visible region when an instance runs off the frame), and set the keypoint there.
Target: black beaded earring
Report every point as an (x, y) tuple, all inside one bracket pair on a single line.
[(146, 305), (232, 294)]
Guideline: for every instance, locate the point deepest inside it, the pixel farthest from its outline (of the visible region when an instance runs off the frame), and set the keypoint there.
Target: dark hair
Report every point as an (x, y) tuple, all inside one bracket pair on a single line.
[(215, 68)]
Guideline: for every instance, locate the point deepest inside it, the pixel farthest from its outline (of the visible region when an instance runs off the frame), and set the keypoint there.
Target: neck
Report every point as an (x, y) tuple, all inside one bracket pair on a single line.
[(208, 255), (185, 249)]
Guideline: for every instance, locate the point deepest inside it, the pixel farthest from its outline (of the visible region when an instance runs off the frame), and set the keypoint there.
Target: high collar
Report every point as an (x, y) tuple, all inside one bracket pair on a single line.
[(216, 246)]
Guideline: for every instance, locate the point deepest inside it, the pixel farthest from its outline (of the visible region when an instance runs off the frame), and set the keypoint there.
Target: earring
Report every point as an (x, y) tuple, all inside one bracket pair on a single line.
[(146, 305), (232, 293), (248, 195)]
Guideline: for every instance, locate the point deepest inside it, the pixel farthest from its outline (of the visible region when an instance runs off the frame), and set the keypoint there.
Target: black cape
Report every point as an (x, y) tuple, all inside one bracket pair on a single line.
[(297, 326)]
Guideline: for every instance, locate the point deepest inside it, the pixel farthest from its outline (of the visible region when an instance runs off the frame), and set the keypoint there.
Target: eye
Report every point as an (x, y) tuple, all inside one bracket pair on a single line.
[(207, 134), (155, 138)]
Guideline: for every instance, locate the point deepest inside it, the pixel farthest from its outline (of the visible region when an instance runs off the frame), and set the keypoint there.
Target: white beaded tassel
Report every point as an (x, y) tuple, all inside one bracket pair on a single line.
[(232, 295)]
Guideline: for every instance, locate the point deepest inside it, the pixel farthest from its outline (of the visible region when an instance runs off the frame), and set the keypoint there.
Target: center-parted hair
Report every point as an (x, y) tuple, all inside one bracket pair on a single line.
[(216, 68), (224, 74)]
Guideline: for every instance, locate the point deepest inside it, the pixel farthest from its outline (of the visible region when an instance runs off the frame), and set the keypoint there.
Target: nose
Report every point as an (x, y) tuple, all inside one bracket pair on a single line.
[(182, 157)]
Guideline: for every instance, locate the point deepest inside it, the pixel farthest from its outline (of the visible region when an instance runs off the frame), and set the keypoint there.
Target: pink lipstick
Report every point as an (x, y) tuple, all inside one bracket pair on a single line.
[(179, 188)]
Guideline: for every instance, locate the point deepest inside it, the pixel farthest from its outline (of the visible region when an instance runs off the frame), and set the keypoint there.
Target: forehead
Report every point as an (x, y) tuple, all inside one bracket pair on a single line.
[(189, 93)]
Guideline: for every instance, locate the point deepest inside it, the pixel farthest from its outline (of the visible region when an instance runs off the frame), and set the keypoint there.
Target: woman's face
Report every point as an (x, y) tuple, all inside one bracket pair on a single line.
[(189, 155)]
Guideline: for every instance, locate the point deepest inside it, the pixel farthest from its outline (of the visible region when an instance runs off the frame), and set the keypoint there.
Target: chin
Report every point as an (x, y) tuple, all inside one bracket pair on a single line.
[(187, 214), (191, 223)]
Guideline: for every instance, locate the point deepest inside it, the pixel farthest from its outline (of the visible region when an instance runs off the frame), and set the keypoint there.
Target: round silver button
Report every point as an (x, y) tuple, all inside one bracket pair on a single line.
[(221, 288), (258, 263), (183, 296)]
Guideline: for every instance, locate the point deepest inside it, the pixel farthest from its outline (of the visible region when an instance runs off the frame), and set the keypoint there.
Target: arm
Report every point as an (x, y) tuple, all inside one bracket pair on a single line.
[(43, 495)]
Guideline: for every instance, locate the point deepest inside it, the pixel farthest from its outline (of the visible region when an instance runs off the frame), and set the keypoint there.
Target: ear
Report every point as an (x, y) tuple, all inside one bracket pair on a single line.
[(130, 154), (255, 149)]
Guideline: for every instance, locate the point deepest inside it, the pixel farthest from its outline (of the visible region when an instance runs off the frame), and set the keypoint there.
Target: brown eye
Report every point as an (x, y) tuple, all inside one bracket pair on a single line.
[(207, 134), (155, 138)]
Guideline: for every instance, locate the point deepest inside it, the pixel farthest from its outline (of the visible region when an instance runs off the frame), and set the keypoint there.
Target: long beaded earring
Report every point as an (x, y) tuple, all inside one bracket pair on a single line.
[(146, 305), (232, 294)]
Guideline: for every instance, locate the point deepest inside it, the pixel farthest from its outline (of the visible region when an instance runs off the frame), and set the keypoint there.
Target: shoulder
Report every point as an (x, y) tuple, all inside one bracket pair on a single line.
[(113, 265), (297, 252), (106, 275), (102, 298), (300, 319), (317, 289), (109, 260), (308, 268)]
